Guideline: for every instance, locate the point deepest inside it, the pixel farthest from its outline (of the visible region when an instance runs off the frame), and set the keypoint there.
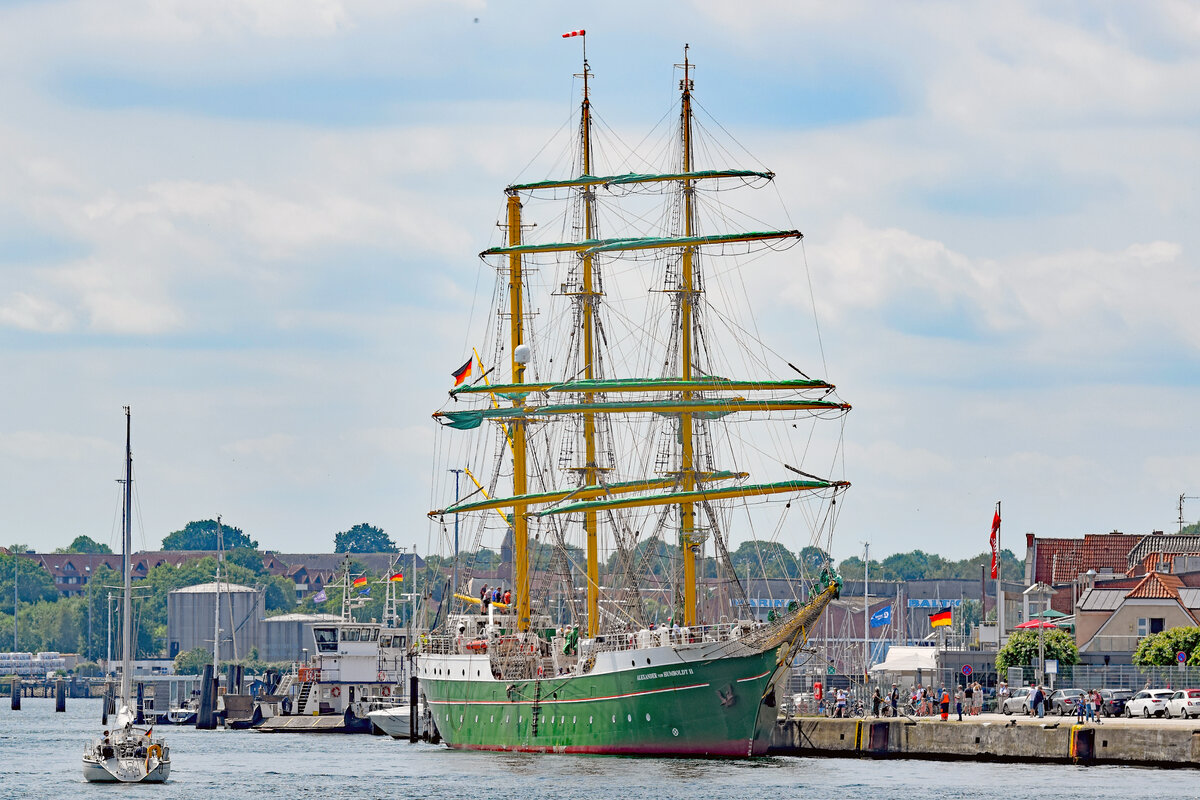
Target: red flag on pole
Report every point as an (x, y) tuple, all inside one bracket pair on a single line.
[(995, 541)]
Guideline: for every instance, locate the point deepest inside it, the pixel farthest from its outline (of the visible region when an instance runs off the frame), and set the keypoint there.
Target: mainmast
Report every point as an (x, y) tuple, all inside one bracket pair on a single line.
[(690, 538), (520, 355), (588, 299), (126, 550)]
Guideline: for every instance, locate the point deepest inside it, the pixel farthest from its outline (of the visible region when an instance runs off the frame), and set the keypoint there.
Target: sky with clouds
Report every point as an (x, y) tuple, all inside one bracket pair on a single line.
[(256, 222)]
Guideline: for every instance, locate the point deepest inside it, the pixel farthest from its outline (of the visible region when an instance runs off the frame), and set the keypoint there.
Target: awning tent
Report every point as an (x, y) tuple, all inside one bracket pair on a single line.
[(908, 660)]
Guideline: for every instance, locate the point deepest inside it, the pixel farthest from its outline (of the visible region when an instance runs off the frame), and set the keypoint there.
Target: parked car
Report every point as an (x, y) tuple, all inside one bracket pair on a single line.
[(1148, 703), (1112, 701), (1063, 701), (1017, 702), (1184, 703)]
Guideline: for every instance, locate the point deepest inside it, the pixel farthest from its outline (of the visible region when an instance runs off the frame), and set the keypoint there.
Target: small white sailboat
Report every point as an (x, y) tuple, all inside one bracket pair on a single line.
[(127, 753)]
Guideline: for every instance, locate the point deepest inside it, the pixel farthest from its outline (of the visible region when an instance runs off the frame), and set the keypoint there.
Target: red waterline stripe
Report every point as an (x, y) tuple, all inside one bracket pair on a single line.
[(546, 701)]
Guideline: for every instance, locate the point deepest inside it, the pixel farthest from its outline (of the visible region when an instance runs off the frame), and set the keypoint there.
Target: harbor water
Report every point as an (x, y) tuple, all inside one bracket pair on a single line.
[(40, 752)]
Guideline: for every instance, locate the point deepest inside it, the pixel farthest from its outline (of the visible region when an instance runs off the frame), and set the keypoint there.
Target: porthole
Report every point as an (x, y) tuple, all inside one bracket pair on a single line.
[(464, 672), (633, 662), (590, 719), (520, 720), (647, 661), (460, 719), (647, 718), (476, 673), (573, 720), (493, 718), (614, 719), (477, 717), (674, 731), (629, 717)]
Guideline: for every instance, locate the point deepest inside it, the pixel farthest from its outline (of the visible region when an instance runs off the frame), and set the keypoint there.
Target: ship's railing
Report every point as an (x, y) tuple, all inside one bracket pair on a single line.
[(608, 642), (669, 637)]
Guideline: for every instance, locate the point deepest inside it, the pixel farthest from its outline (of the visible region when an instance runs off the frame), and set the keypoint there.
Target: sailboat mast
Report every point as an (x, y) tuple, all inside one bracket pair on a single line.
[(690, 538), (520, 357), (126, 550), (588, 300)]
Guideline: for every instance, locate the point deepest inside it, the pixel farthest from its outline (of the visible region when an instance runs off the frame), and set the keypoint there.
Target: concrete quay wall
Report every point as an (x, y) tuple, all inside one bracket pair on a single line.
[(1151, 742)]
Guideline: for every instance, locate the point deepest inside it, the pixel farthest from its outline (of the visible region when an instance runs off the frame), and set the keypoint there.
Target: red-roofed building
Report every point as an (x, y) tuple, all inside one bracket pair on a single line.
[(1112, 617)]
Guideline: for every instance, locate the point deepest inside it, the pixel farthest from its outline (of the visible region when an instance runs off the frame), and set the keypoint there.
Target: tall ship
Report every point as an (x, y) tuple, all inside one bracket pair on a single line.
[(614, 452)]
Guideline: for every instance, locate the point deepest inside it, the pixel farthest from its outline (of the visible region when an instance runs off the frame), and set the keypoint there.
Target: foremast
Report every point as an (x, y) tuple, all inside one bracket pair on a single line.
[(520, 354), (691, 539), (588, 300)]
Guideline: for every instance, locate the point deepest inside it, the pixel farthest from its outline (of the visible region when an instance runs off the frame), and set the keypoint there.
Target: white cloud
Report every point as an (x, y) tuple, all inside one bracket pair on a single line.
[(30, 313)]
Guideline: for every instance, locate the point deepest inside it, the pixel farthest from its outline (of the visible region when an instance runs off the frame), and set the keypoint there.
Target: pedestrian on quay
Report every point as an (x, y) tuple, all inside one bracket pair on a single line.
[(958, 701), (945, 704), (1097, 704), (1081, 707), (895, 700), (876, 702), (977, 708), (485, 597), (840, 711), (1039, 701), (969, 696)]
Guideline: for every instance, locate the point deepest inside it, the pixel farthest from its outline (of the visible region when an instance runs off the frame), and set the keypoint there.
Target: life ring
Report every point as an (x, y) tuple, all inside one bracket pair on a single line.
[(335, 691), (382, 675), (153, 751), (387, 691)]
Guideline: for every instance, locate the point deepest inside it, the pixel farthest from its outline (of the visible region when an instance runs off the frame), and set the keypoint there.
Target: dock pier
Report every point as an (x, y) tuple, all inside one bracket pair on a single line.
[(1154, 742)]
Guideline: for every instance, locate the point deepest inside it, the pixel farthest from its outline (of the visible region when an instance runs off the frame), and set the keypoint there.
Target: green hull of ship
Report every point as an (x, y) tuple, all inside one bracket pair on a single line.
[(713, 708)]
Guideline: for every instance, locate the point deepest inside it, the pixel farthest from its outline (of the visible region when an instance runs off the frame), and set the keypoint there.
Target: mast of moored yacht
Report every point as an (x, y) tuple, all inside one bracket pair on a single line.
[(126, 550)]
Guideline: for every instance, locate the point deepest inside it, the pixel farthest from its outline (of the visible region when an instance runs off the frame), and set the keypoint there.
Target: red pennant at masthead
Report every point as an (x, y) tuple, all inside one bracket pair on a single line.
[(580, 32), (995, 542), (463, 372)]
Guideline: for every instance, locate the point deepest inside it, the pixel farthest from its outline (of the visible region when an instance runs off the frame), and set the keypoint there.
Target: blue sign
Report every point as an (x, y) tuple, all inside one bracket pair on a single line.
[(931, 602), (1181, 657), (882, 617), (966, 670)]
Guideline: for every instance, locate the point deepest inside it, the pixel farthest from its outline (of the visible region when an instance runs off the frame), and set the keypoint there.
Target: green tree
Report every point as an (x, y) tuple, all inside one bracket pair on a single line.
[(249, 558), (1021, 649), (33, 582), (202, 535), (764, 559), (363, 538), (192, 662), (1160, 649), (280, 594), (813, 559), (85, 544)]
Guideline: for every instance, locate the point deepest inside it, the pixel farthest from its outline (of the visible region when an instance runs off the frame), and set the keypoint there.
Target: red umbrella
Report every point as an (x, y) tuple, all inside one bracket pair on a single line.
[(1037, 623)]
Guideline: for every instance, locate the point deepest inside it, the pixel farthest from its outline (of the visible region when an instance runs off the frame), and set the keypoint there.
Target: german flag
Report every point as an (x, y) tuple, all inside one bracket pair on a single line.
[(396, 577), (939, 618), (360, 581), (463, 372)]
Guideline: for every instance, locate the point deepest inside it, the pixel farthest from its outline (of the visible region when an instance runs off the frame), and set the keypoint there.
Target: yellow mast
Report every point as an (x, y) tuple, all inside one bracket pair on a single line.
[(521, 582), (588, 299), (690, 538)]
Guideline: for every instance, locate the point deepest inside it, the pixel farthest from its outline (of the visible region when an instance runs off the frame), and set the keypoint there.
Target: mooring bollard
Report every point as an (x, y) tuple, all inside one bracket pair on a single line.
[(60, 695)]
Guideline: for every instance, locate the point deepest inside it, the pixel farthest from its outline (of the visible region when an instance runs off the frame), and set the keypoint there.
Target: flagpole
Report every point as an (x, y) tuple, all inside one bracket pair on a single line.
[(999, 585)]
